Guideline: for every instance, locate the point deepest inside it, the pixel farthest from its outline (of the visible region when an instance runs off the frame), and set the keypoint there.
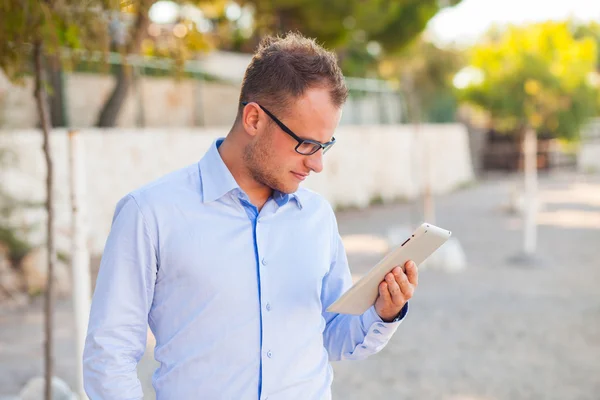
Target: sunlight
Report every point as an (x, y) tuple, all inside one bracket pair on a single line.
[(365, 244), (581, 193), (570, 219)]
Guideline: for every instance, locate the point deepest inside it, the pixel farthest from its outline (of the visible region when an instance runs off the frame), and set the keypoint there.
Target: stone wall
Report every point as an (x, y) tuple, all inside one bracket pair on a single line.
[(368, 164)]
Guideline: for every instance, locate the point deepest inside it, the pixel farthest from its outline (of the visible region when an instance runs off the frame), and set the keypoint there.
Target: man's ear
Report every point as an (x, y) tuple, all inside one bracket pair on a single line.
[(251, 118)]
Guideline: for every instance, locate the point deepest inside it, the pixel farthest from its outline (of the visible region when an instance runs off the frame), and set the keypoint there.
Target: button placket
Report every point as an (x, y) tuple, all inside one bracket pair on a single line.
[(262, 234)]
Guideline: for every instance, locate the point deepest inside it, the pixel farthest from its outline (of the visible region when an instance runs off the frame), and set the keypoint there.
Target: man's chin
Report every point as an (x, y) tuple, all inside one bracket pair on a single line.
[(288, 189)]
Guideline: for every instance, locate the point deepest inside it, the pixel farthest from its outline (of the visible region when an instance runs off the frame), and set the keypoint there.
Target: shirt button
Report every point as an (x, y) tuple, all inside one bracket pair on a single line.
[(268, 306), (264, 262), (269, 354)]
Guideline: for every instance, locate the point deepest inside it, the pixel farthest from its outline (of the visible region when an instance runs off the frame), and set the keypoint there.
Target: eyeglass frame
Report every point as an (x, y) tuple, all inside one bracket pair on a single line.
[(324, 146)]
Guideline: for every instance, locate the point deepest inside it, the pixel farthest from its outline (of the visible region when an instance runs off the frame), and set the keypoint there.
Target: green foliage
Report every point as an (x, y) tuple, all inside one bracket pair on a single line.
[(17, 247), (537, 76), (590, 30), (346, 25), (349, 25), (426, 71), (11, 236), (393, 23), (58, 24), (376, 200)]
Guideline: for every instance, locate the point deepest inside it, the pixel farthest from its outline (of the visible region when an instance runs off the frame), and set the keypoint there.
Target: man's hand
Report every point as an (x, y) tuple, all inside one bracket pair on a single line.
[(395, 290)]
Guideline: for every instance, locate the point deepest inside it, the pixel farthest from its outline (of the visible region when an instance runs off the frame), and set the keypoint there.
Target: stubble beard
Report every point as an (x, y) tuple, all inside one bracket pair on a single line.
[(256, 158)]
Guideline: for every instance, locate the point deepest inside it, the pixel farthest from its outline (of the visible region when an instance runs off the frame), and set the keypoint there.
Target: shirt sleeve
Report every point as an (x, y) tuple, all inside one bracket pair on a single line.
[(117, 330), (351, 337)]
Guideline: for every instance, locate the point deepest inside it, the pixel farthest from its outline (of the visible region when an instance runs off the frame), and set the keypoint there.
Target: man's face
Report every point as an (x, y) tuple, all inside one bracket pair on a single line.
[(271, 156)]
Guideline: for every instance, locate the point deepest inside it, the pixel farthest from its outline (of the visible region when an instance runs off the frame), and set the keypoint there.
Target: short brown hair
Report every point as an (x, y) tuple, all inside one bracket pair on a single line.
[(283, 68)]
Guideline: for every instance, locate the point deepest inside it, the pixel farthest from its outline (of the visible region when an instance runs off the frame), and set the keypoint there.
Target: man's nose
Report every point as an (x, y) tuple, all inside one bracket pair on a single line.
[(314, 162)]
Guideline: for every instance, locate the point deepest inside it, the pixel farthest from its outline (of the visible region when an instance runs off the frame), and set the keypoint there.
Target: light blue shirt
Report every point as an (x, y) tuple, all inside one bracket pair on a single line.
[(235, 298)]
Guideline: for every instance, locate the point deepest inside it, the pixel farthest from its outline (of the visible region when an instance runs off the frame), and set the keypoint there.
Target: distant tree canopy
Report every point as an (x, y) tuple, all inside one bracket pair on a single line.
[(361, 32), (59, 24), (541, 76), (426, 71), (350, 25), (591, 30)]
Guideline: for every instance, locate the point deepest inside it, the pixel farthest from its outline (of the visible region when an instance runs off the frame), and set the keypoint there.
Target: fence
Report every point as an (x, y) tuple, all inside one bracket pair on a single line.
[(201, 92)]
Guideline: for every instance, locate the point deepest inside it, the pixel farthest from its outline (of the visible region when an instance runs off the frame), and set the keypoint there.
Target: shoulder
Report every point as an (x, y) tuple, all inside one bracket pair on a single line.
[(316, 204), (166, 189), (313, 200)]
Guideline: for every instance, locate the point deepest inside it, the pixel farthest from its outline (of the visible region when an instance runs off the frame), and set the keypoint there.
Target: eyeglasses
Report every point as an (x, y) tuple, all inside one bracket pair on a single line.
[(305, 147)]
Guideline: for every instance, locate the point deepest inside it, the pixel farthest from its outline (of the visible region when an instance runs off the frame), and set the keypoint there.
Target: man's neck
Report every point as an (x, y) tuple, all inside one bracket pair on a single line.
[(232, 154)]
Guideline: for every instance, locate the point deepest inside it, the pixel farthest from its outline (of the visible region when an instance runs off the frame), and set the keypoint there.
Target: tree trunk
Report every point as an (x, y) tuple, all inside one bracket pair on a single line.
[(110, 112), (42, 106), (422, 161), (530, 175), (80, 258), (285, 21), (57, 100), (428, 201)]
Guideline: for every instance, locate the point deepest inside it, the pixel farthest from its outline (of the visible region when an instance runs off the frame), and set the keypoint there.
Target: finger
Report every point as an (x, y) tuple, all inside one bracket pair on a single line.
[(397, 269), (384, 292), (412, 273), (394, 289), (405, 286)]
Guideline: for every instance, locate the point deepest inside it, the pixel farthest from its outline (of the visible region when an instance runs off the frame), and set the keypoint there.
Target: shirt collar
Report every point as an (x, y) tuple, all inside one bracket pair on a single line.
[(218, 181), (216, 178), (282, 198)]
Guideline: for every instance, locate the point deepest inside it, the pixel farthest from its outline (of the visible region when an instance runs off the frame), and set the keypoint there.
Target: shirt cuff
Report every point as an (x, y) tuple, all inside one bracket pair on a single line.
[(402, 313), (370, 318)]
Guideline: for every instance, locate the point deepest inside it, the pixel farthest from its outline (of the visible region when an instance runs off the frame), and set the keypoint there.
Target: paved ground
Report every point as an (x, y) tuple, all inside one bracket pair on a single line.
[(494, 331)]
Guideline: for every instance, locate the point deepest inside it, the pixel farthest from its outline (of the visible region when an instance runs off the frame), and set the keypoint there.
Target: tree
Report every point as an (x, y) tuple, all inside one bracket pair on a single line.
[(534, 79), (424, 73), (128, 30), (591, 30), (127, 44), (30, 30), (349, 25), (431, 70), (535, 76), (392, 23)]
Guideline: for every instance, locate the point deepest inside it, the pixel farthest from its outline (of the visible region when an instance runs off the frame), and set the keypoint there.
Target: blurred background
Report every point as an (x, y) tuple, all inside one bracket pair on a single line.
[(480, 116)]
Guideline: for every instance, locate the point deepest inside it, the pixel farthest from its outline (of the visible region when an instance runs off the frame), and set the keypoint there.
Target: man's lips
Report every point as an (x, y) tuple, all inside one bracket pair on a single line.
[(300, 176)]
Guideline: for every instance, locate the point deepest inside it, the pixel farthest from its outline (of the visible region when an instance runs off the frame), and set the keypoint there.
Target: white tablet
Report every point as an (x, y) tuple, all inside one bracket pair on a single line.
[(362, 295)]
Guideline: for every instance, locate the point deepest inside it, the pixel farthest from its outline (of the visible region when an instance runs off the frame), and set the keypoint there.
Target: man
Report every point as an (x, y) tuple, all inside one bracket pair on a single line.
[(232, 264)]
